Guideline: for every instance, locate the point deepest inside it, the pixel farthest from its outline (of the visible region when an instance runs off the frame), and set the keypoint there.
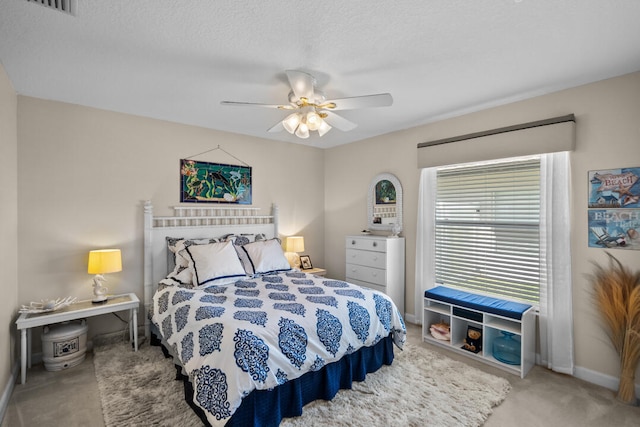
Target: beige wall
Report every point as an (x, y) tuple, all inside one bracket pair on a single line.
[(608, 136), (8, 226), (86, 172)]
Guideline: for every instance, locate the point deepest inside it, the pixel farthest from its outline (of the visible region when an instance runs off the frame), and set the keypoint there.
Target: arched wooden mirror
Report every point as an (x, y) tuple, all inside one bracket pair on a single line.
[(384, 204)]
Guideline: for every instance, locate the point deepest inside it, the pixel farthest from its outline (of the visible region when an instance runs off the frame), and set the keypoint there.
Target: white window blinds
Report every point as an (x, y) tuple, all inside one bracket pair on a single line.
[(487, 228)]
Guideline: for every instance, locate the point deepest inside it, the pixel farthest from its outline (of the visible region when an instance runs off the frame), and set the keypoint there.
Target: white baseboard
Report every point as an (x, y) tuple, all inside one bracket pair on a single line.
[(598, 378), (8, 390), (410, 318)]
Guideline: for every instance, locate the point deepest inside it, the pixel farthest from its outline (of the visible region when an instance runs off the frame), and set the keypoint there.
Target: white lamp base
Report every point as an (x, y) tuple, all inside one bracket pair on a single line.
[(99, 299), (99, 291)]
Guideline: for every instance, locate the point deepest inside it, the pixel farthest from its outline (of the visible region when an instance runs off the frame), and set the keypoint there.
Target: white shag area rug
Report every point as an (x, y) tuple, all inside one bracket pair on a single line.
[(421, 388)]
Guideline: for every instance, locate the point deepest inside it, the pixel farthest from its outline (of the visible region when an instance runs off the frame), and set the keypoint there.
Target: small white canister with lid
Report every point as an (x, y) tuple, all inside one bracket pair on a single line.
[(64, 345)]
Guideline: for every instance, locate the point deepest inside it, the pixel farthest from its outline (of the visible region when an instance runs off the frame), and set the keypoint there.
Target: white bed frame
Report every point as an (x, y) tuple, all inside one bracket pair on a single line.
[(194, 222)]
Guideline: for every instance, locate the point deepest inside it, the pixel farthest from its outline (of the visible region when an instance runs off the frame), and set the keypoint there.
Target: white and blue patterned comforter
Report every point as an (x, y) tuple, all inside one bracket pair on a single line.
[(260, 332)]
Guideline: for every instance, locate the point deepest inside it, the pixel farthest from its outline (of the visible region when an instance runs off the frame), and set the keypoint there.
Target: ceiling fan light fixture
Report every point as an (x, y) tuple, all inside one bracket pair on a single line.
[(313, 120), (302, 131), (323, 128), (291, 122)]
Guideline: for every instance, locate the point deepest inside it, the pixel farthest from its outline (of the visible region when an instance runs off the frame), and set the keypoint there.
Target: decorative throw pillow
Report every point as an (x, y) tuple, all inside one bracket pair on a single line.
[(240, 240), (177, 244), (178, 265), (180, 276), (266, 256), (213, 262)]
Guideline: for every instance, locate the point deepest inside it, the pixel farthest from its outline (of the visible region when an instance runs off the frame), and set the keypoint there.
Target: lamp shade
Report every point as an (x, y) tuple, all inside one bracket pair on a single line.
[(295, 244), (313, 120), (105, 261), (291, 122), (323, 128)]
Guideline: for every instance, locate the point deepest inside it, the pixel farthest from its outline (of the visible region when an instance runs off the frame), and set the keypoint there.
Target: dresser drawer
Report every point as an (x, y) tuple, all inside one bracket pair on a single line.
[(367, 244), (373, 286), (366, 274), (369, 258)]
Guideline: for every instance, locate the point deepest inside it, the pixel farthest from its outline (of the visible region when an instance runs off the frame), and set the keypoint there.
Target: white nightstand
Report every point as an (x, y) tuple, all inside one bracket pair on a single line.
[(78, 310), (316, 271)]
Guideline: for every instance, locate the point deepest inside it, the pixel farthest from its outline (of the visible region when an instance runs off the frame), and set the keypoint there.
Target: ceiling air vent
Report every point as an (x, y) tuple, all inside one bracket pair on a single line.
[(66, 6)]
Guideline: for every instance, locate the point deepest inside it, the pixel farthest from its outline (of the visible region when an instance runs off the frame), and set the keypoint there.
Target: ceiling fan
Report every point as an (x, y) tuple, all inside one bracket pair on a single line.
[(312, 111)]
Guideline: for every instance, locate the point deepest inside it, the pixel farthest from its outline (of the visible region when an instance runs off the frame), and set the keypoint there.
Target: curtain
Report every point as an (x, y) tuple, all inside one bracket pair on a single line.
[(425, 243), (556, 314)]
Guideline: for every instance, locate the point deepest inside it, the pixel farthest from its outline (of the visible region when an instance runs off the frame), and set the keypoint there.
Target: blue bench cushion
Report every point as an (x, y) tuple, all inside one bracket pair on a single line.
[(513, 310)]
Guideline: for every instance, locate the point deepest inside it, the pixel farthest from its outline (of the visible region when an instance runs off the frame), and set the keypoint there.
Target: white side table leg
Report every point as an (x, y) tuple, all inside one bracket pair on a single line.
[(23, 357), (131, 326), (135, 329), (29, 346)]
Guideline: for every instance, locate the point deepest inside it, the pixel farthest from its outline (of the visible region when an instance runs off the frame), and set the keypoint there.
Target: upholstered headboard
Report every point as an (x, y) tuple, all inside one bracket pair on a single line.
[(194, 223)]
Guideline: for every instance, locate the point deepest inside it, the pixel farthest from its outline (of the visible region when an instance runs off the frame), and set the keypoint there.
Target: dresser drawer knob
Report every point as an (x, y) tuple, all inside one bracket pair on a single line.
[(353, 242), (375, 258), (375, 244)]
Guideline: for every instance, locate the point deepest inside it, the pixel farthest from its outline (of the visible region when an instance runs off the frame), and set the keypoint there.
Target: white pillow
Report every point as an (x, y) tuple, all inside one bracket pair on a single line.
[(242, 239), (213, 262), (181, 274), (176, 246), (266, 256)]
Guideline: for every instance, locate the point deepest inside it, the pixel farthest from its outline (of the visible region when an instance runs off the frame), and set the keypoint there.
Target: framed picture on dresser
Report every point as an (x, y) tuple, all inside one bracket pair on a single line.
[(305, 262)]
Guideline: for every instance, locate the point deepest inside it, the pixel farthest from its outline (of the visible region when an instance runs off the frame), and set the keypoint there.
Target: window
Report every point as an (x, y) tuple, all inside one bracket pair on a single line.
[(487, 228)]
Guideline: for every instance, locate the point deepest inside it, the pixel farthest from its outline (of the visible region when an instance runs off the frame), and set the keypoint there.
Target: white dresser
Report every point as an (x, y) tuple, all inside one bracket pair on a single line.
[(377, 262)]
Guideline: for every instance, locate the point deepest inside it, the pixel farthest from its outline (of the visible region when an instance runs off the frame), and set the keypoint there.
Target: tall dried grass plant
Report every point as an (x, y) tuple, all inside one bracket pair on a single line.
[(617, 295)]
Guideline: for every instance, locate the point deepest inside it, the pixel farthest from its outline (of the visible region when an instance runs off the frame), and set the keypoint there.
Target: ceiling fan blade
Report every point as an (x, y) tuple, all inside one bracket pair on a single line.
[(278, 127), (338, 122), (301, 83), (355, 102), (255, 104)]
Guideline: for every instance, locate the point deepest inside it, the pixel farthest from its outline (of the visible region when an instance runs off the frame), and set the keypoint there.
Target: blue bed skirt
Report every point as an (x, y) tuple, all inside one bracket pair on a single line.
[(268, 407)]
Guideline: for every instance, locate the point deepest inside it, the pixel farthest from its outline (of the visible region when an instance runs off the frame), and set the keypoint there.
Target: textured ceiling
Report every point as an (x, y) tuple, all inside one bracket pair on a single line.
[(176, 60)]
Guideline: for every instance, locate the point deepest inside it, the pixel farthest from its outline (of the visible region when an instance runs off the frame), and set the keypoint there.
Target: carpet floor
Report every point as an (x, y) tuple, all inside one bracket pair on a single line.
[(421, 388)]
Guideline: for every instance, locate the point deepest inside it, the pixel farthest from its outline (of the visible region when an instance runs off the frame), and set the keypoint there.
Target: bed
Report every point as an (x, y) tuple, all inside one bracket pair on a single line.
[(254, 339)]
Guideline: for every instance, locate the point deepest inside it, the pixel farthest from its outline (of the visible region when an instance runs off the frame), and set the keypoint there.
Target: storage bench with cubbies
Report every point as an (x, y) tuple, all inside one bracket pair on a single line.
[(507, 324)]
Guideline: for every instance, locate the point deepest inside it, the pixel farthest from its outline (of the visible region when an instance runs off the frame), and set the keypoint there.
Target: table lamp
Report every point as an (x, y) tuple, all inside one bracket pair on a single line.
[(101, 262), (294, 245)]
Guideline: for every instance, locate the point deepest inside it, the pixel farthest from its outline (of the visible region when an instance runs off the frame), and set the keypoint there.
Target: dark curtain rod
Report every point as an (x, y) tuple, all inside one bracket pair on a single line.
[(545, 122)]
